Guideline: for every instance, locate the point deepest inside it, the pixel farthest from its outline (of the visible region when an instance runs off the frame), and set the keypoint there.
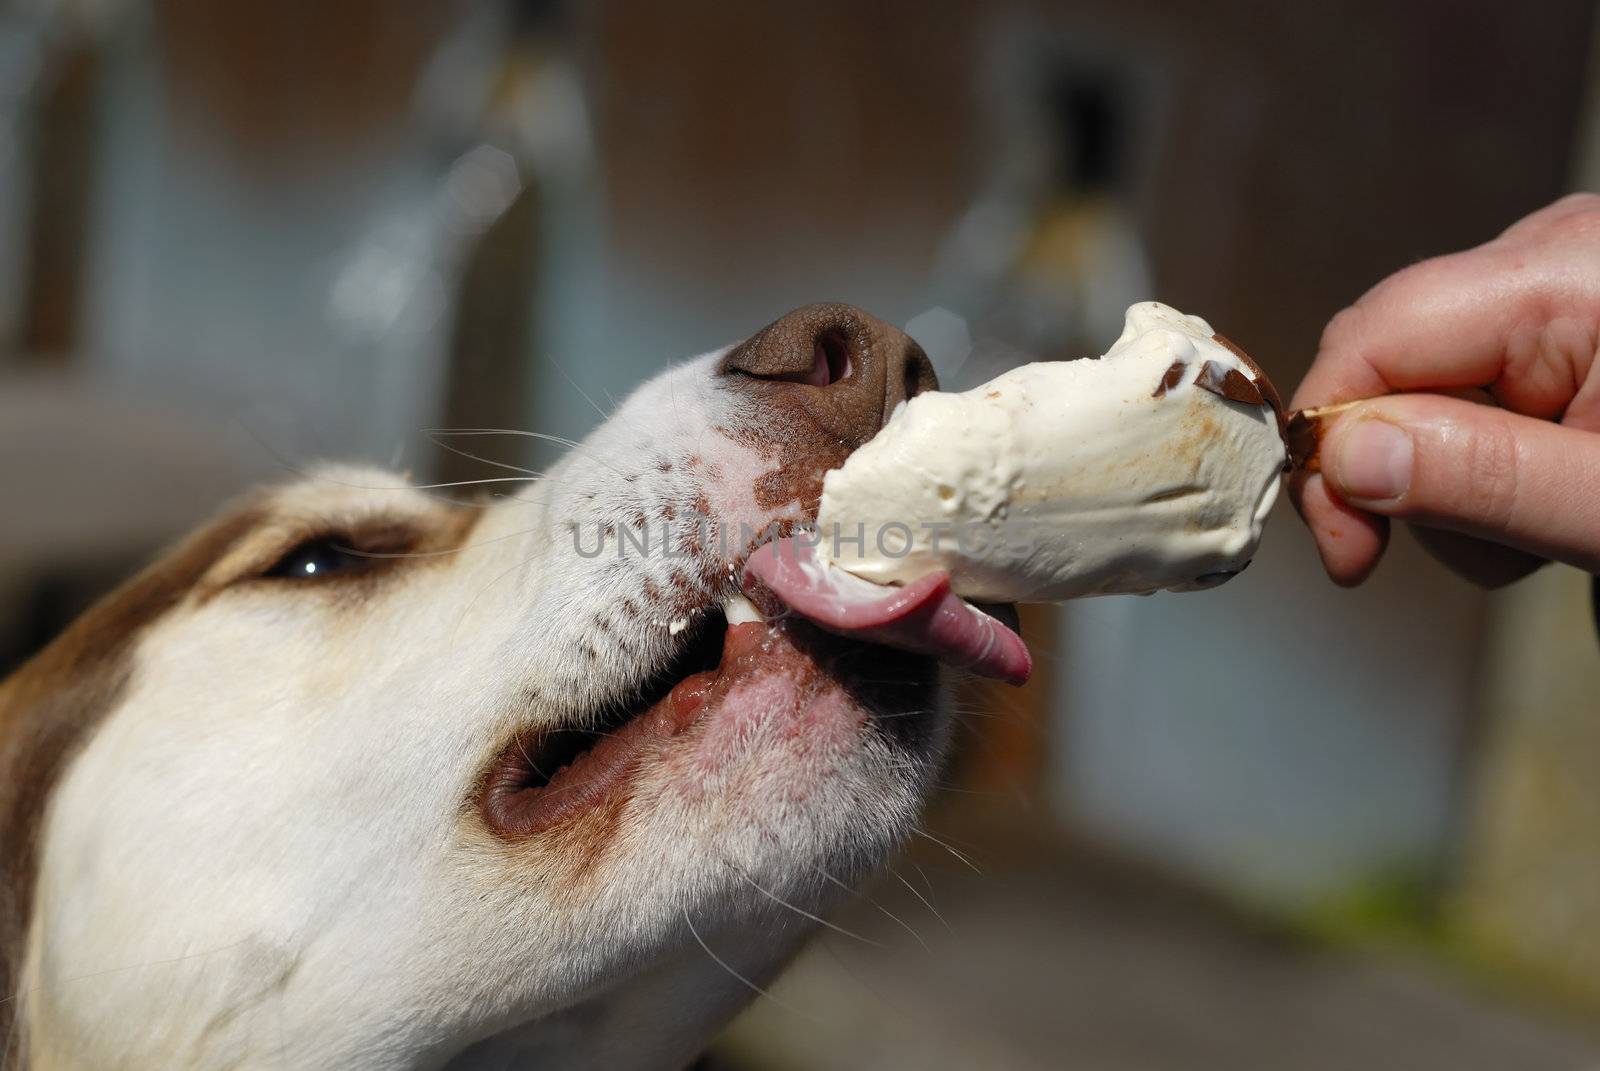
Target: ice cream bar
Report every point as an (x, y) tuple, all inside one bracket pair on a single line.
[(1152, 467)]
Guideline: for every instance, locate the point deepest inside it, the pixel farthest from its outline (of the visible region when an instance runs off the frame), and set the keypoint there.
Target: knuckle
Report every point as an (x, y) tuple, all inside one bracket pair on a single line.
[(1582, 218), (1343, 331), (1577, 215), (1579, 202), (1393, 299), (1585, 225), (1423, 278)]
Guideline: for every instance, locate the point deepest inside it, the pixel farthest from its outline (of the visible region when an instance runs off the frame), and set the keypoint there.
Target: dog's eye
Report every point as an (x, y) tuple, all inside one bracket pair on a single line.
[(316, 558)]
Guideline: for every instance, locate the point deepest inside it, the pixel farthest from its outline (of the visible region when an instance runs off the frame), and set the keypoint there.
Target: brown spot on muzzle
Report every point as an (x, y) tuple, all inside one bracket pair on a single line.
[(825, 378)]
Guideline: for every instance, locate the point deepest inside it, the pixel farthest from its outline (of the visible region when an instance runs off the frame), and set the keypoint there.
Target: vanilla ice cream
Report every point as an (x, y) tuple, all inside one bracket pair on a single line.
[(1151, 467)]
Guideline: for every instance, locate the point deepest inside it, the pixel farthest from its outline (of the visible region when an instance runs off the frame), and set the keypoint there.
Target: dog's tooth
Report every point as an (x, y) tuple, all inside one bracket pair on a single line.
[(677, 626), (741, 611)]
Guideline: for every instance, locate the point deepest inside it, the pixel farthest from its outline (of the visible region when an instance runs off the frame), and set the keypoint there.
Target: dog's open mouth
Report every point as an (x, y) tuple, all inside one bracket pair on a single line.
[(542, 781)]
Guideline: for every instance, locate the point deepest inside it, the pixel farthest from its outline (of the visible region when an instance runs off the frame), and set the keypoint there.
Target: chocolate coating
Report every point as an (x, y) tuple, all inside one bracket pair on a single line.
[(1263, 383), (1170, 378), (1303, 436), (1230, 383)]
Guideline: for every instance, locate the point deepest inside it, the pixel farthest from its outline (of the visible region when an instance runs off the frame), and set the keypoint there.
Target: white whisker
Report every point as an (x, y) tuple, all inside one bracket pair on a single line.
[(861, 895), (802, 912), (437, 440), (569, 443), (559, 367), (748, 984), (959, 855), (927, 903)]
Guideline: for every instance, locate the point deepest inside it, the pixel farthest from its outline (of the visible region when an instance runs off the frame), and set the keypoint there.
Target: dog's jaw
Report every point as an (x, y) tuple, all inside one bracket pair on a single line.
[(280, 861)]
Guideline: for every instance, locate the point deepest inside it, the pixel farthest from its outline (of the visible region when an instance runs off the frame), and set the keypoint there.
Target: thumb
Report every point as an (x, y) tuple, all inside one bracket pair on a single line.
[(1469, 468)]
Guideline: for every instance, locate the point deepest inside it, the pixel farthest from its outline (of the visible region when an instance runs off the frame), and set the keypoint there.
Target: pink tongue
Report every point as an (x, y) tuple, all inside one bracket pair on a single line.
[(925, 617)]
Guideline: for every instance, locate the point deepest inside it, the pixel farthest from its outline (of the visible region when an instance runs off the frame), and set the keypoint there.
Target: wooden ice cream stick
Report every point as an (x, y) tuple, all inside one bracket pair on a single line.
[(1304, 433)]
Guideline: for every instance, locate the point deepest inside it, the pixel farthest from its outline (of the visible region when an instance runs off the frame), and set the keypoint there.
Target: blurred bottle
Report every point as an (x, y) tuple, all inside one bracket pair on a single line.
[(324, 216), (48, 79), (1047, 260)]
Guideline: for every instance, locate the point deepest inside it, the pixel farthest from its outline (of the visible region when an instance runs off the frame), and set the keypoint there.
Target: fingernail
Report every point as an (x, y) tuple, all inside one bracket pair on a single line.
[(1373, 461)]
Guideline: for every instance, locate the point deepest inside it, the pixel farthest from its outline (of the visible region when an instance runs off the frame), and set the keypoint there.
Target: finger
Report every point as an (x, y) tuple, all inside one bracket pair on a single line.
[(1497, 317), (1350, 541), (1486, 564), (1449, 464)]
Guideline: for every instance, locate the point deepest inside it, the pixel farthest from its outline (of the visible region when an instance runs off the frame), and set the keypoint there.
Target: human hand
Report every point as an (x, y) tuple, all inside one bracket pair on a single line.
[(1483, 424)]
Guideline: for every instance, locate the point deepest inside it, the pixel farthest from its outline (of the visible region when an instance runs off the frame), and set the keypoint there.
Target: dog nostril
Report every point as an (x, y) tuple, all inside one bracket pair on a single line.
[(792, 350), (865, 366), (830, 363), (917, 377), (831, 358)]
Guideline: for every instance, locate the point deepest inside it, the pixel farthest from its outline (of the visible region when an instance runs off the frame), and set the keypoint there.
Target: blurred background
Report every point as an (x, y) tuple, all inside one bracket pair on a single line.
[(1279, 825)]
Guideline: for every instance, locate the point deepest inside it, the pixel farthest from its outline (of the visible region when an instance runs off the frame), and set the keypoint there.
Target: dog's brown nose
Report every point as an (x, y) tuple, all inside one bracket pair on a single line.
[(845, 369)]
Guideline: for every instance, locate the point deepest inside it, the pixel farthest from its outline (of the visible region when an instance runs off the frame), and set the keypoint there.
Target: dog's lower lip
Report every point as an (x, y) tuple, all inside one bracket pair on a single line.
[(591, 781), (538, 785)]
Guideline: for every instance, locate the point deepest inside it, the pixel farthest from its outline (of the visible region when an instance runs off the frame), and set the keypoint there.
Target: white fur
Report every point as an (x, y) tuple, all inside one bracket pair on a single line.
[(262, 858)]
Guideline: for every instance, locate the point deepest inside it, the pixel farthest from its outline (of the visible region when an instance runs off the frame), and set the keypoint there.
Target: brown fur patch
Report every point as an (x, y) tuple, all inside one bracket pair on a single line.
[(51, 705)]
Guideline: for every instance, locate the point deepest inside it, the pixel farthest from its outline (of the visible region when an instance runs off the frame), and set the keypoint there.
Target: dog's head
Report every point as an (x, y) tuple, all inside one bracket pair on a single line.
[(359, 776)]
